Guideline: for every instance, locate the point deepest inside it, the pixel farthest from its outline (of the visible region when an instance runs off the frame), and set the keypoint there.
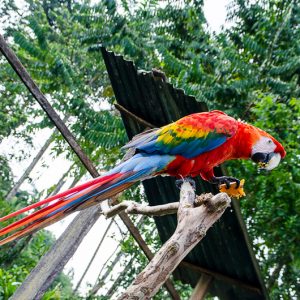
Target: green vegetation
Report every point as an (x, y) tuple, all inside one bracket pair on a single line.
[(250, 70)]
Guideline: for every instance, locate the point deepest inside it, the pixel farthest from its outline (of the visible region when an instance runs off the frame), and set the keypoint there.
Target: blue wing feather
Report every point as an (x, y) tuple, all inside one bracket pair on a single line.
[(188, 141)]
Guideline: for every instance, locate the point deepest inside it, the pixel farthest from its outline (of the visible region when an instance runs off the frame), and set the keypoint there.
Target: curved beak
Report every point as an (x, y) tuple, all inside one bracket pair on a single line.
[(266, 161)]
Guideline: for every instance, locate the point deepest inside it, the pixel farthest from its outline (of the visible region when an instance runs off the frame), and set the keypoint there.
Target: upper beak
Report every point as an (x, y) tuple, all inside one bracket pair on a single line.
[(266, 161)]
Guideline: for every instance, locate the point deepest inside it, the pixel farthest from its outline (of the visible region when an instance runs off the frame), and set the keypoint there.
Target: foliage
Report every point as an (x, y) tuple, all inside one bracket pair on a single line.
[(272, 206), (50, 47), (5, 176), (17, 260)]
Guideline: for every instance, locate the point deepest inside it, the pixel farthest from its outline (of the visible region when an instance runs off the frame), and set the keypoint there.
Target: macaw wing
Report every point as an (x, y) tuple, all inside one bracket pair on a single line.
[(189, 136)]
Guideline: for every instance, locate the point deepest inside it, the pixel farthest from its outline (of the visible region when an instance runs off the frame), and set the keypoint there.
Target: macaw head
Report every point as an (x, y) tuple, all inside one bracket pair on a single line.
[(267, 152)]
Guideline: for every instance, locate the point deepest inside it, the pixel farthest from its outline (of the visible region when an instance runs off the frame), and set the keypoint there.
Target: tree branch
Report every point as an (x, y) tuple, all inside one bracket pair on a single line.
[(193, 223), (135, 208), (132, 207), (133, 116)]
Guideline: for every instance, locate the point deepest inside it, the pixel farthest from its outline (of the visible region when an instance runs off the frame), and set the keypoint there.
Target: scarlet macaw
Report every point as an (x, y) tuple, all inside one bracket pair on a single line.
[(191, 146)]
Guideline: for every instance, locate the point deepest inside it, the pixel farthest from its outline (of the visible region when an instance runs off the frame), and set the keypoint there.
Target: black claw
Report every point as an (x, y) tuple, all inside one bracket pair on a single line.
[(225, 180), (238, 183)]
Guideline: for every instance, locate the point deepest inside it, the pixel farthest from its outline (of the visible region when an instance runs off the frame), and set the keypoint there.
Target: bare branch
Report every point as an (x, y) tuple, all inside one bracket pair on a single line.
[(132, 207), (193, 222), (133, 116)]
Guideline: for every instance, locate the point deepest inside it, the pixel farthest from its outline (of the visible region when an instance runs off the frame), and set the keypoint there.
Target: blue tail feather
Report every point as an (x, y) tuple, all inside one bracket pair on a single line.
[(137, 168)]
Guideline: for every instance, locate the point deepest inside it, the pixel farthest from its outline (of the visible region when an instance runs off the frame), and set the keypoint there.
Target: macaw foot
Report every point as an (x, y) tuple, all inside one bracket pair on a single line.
[(190, 180), (225, 180)]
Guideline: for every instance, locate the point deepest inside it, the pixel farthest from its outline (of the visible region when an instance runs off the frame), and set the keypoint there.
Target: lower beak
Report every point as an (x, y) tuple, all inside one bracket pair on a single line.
[(266, 161)]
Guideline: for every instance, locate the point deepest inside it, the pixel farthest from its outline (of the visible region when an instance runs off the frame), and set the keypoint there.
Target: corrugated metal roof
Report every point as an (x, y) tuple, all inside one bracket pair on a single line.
[(226, 249)]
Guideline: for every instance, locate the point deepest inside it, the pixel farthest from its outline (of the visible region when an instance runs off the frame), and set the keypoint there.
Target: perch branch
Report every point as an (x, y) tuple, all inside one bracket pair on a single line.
[(193, 222), (132, 207)]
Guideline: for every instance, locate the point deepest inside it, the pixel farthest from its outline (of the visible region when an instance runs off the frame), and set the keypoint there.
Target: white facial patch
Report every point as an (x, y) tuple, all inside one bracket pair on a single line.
[(273, 162), (264, 145)]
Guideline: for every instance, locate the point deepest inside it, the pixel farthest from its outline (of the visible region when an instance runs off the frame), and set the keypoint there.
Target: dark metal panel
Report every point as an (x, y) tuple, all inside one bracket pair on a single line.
[(226, 248)]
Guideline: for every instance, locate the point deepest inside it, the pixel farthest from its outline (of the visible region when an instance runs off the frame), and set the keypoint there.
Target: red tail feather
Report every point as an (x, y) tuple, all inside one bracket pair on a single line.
[(57, 196), (121, 177), (42, 217)]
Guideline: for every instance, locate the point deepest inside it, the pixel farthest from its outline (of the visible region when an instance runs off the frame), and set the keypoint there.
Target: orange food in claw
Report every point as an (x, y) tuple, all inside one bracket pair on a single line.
[(233, 191)]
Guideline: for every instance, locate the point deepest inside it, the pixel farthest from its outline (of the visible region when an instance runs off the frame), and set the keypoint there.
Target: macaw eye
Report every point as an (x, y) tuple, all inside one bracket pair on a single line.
[(269, 141)]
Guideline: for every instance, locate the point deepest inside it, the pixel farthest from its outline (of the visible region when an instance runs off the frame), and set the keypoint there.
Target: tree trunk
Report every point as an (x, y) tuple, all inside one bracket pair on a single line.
[(110, 292), (33, 163), (93, 257), (193, 222), (52, 263), (120, 277), (99, 282)]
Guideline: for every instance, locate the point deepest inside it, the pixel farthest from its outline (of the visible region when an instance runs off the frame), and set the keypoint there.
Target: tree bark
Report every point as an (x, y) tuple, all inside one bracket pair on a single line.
[(193, 222)]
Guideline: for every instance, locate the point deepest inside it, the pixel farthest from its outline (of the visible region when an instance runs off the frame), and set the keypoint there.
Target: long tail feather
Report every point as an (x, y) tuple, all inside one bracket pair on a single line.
[(121, 177), (52, 198), (44, 222)]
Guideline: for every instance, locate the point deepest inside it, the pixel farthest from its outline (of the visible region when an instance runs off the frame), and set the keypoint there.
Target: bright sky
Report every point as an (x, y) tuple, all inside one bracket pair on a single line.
[(215, 13), (49, 170)]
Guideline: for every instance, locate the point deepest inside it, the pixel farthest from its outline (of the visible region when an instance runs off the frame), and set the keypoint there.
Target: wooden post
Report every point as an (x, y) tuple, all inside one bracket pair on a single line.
[(202, 287), (193, 222)]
